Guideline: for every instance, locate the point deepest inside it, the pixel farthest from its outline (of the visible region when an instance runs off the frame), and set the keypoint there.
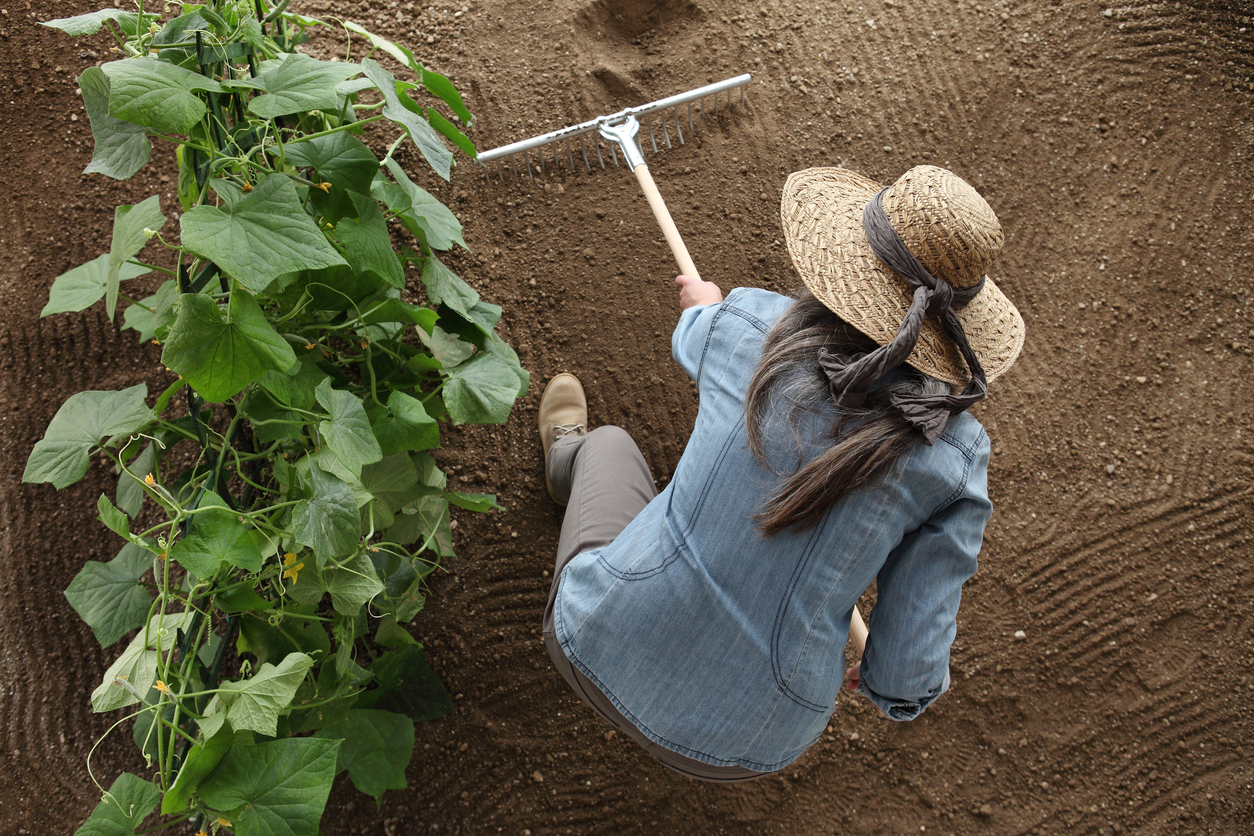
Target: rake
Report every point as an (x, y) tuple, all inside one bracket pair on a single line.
[(622, 131)]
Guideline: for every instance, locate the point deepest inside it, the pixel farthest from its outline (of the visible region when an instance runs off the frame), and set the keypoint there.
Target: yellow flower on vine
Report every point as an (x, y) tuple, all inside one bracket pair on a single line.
[(293, 568), (150, 481), (163, 688), (221, 822), (326, 187)]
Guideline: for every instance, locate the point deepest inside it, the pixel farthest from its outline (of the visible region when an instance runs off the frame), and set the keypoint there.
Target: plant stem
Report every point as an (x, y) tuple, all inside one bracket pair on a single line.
[(344, 127)]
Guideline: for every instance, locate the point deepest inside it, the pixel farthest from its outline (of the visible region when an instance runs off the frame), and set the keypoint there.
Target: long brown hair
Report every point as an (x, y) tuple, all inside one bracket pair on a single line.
[(867, 441)]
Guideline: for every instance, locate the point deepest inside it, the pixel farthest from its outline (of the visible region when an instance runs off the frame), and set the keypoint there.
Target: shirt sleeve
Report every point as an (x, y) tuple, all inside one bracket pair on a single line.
[(906, 663), (691, 337)]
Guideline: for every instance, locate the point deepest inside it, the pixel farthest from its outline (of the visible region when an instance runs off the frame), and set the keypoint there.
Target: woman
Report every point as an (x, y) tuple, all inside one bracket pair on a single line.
[(830, 450)]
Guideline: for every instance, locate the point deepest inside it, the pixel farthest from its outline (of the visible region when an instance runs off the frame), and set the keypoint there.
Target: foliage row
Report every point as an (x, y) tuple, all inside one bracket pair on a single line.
[(298, 508)]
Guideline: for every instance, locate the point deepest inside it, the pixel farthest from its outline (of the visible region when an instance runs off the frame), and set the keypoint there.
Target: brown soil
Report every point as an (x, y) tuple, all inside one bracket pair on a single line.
[(1115, 145)]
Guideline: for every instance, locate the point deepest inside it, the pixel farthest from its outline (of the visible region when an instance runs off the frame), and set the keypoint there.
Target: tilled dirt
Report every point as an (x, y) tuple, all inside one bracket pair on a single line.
[(1115, 145)]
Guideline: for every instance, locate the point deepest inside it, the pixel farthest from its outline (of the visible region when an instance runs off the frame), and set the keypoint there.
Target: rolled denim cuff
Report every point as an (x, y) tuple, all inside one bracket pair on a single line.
[(901, 709)]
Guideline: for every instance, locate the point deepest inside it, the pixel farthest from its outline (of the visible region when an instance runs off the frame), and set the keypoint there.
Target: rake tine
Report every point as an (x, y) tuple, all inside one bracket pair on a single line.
[(679, 133), (527, 159), (513, 167), (666, 133), (702, 103), (613, 154), (742, 96), (716, 104), (651, 137), (500, 174), (571, 155), (596, 146), (540, 154), (584, 151), (691, 129)]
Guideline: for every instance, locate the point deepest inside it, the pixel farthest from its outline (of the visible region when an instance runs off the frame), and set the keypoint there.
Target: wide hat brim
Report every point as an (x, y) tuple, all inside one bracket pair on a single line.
[(821, 211)]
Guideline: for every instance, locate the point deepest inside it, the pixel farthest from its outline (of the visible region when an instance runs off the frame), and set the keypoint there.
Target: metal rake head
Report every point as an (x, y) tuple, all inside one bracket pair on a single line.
[(666, 113)]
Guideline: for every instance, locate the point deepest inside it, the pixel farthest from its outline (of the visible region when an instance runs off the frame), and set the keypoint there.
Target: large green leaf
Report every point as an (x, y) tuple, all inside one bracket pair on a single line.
[(408, 686), (84, 286), (123, 809), (339, 159), (129, 237), (404, 425), (216, 536), (62, 455), (421, 213), (109, 597), (448, 348), (254, 704), (376, 749), (157, 95), (200, 761), (327, 522), (367, 243), (89, 23), (300, 83), (113, 518), (481, 391), (347, 431), (442, 87), (122, 148), (138, 663), (219, 353), (261, 236), (426, 138), (444, 287), (281, 786), (351, 584)]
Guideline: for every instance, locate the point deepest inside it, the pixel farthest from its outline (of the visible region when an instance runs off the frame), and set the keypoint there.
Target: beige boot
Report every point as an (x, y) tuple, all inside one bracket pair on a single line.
[(563, 411)]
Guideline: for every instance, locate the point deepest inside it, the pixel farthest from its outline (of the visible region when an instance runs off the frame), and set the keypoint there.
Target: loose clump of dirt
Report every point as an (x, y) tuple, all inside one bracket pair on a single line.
[(1102, 672)]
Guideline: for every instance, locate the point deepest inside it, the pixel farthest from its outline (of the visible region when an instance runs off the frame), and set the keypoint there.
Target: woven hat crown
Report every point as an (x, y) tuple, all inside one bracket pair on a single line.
[(945, 224)]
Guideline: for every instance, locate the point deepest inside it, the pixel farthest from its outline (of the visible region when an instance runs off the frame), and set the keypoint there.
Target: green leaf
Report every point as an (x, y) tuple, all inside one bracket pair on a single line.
[(114, 519), (394, 481), (408, 686), (376, 749), (129, 223), (292, 635), (241, 599), (138, 663), (214, 537), (254, 704), (328, 522), (445, 347), (122, 148), (400, 53), (426, 138), (367, 243), (281, 785), (82, 287), (455, 136), (497, 347), (262, 236), (124, 807), (86, 24), (300, 83), (200, 761), (391, 634), (444, 89), (109, 597), (421, 213), (404, 425), (157, 95), (481, 502), (219, 353), (481, 391), (131, 488), (339, 158), (153, 313), (444, 287), (351, 584), (347, 432), (61, 456)]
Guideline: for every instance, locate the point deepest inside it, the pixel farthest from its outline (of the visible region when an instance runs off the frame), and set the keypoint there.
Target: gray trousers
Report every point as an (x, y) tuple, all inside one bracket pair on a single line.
[(606, 483)]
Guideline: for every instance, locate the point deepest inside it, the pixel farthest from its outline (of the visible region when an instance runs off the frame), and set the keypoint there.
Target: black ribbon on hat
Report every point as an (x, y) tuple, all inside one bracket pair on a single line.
[(850, 376)]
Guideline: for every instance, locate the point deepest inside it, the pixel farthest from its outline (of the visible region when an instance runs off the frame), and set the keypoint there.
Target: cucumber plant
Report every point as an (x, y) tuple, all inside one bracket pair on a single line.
[(278, 503)]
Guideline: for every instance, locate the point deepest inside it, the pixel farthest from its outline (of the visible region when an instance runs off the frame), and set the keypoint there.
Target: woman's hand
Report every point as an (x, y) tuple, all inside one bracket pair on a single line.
[(696, 292)]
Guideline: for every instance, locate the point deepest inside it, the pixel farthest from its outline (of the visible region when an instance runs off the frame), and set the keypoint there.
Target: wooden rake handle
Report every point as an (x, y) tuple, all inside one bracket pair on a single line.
[(664, 220)]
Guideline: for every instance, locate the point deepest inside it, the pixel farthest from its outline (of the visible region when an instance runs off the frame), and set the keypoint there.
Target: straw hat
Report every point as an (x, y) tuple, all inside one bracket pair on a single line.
[(944, 223)]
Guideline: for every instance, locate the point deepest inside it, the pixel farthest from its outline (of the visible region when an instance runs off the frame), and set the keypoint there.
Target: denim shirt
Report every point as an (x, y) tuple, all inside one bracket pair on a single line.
[(728, 647)]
